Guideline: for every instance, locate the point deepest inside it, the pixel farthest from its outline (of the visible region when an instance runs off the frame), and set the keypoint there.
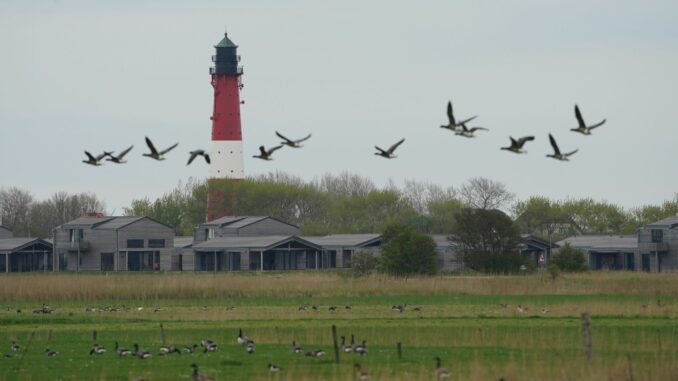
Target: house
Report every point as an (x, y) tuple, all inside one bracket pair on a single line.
[(449, 256), (25, 254), (183, 248), (606, 252), (243, 226), (263, 253), (338, 249), (536, 250), (658, 246), (97, 243), (5, 232)]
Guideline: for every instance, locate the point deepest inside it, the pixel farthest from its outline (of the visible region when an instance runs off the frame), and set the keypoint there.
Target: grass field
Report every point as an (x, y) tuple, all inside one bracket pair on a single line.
[(634, 326)]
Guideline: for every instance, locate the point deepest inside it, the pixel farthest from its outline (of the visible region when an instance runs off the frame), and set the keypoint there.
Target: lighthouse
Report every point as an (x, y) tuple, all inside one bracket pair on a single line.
[(226, 148)]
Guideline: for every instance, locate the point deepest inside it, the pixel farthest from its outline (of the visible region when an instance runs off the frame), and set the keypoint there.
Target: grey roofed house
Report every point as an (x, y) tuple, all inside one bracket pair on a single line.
[(265, 253), (182, 249), (6, 232), (97, 243), (338, 249), (233, 226), (537, 250), (606, 252), (658, 245), (448, 252), (25, 254)]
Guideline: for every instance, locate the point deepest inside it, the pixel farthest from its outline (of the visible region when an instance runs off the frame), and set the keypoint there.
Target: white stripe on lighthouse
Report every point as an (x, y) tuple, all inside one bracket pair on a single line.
[(227, 160)]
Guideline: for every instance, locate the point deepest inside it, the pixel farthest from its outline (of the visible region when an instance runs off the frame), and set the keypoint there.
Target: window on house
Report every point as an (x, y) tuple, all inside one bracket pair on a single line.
[(657, 235), (156, 243), (209, 233), (77, 235), (135, 243)]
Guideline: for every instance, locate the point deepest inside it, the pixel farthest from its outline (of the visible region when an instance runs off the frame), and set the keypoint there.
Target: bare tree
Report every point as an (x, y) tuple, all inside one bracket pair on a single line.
[(15, 207), (345, 184), (422, 194), (483, 193)]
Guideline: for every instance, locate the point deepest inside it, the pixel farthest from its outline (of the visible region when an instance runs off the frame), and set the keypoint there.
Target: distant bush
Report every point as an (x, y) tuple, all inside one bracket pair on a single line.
[(408, 252), (363, 263), (570, 259), (553, 270), (497, 263)]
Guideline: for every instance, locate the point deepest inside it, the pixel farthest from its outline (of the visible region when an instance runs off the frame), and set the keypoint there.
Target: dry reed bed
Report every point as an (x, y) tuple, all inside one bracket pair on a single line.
[(89, 287)]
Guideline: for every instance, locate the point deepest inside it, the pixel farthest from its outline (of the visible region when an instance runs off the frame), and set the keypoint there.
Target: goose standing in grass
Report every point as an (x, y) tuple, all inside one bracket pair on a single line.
[(273, 367), (197, 376), (583, 128), (348, 307), (353, 343), (344, 347), (154, 154), (362, 374), (441, 373), (190, 348), (211, 347), (97, 350), (556, 151), (51, 353), (167, 350), (361, 349), (398, 308), (197, 153), (266, 154), (243, 340), (469, 132), (206, 342), (316, 353), (250, 347), (292, 143), (389, 152), (521, 309), (296, 349), (118, 159), (517, 145), (452, 124), (332, 308), (140, 353), (122, 351), (95, 161), (15, 347)]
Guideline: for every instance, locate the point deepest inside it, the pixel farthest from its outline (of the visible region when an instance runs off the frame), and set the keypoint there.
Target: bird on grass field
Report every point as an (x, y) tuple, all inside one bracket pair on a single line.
[(15, 347), (140, 353), (441, 373), (122, 351), (361, 373), (242, 339), (190, 348), (273, 367), (197, 376), (97, 350), (250, 347), (51, 353), (361, 349), (296, 349), (344, 347)]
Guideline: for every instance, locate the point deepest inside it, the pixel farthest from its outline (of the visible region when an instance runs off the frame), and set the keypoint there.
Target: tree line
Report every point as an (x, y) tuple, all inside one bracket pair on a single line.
[(343, 203)]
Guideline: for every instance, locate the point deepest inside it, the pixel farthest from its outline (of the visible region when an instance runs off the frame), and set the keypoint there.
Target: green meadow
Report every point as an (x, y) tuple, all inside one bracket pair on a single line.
[(472, 323)]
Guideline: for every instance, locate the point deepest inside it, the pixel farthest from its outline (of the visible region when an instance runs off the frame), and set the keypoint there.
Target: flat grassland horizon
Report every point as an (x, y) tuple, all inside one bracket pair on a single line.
[(473, 323)]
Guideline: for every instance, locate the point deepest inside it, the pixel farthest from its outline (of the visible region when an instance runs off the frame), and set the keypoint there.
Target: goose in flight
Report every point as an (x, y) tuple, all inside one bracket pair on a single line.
[(266, 154), (389, 152), (452, 124), (154, 153), (119, 157), (583, 128), (292, 143), (468, 132), (556, 151), (95, 161), (197, 153), (517, 145)]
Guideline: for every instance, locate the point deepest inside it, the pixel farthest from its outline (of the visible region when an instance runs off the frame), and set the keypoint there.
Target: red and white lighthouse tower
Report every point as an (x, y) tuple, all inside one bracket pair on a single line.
[(226, 151)]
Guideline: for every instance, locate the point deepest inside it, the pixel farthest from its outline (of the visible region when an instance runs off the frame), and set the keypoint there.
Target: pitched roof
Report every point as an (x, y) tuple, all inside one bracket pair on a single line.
[(344, 239), (236, 222), (5, 227), (602, 242), (112, 222), (223, 221), (669, 222), (256, 242), (85, 221), (184, 241), (118, 222), (16, 244), (225, 43)]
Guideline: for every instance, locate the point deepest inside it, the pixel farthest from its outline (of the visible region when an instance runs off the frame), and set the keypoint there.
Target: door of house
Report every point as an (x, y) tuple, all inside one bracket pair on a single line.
[(630, 261), (645, 258)]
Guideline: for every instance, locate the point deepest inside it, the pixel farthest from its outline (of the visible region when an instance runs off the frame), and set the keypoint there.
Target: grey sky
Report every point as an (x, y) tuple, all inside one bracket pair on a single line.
[(77, 75)]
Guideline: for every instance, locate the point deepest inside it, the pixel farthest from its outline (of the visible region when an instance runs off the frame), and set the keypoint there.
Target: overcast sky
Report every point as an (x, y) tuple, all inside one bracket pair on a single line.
[(80, 75)]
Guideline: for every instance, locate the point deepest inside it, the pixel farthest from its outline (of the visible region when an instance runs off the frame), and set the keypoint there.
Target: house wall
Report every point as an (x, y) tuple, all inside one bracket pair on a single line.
[(668, 249), (90, 260), (148, 229)]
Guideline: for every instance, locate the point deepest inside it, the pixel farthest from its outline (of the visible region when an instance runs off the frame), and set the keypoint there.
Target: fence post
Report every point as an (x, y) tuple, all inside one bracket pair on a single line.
[(586, 332), (399, 349), (336, 345)]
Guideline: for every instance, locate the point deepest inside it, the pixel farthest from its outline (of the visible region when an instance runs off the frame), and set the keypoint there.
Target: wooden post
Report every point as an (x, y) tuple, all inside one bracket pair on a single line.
[(215, 261), (94, 335), (586, 332), (630, 367), (7, 262), (399, 350), (162, 333), (261, 260), (336, 345)]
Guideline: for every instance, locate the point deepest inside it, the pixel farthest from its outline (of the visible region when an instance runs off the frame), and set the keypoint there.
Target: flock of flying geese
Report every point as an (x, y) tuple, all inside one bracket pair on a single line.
[(458, 127)]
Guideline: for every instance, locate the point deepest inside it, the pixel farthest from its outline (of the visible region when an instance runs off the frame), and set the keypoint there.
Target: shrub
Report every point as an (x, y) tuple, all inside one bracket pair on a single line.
[(496, 263), (363, 263), (553, 270), (570, 259), (408, 252)]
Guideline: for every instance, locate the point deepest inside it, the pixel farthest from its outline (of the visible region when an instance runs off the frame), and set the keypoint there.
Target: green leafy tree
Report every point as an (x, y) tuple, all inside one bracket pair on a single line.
[(408, 252), (570, 259), (363, 263)]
